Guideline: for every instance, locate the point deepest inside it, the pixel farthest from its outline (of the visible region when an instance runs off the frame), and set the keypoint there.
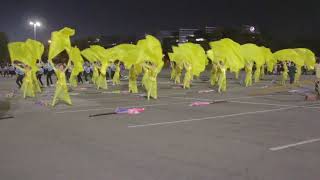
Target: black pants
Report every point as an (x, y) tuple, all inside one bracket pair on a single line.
[(19, 80), (291, 79), (317, 87), (67, 73), (39, 78), (5, 73), (12, 73), (79, 78), (49, 78), (86, 76)]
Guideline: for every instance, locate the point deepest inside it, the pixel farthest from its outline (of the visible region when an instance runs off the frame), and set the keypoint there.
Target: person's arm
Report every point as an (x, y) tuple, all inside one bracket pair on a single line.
[(68, 65), (18, 67), (145, 66), (52, 64)]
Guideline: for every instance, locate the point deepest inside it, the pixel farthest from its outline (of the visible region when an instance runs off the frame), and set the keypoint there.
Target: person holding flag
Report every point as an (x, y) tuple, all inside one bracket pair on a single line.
[(248, 69), (60, 41), (116, 76), (222, 80)]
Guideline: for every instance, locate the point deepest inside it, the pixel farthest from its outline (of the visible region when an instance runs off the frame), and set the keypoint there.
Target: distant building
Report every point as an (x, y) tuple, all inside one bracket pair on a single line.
[(210, 30), (185, 33), (166, 34)]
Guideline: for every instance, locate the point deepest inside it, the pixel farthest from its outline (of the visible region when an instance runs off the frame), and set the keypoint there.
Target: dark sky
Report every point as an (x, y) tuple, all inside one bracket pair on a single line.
[(285, 19)]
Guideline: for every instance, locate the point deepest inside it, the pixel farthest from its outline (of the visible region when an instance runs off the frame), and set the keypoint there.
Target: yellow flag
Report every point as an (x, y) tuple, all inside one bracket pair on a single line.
[(289, 55), (252, 52), (195, 56), (229, 52), (36, 49), (76, 58), (102, 55), (308, 57), (18, 52), (129, 54), (60, 41), (90, 55), (269, 58), (152, 50)]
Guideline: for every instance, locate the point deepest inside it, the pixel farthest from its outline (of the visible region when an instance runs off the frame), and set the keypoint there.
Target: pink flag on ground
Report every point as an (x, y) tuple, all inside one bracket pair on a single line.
[(199, 103)]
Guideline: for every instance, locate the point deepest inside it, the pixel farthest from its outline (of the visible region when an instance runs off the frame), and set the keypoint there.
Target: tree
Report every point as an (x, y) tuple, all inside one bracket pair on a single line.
[(4, 53)]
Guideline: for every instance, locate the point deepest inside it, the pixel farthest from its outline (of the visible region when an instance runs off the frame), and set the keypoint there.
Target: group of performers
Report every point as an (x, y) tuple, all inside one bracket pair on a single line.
[(146, 59)]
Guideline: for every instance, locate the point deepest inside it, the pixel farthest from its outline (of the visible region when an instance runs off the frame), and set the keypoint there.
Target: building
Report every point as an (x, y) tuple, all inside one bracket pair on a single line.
[(185, 33), (210, 29), (166, 35)]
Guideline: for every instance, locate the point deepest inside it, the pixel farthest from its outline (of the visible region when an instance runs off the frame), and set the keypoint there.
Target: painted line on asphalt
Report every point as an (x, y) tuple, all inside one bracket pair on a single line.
[(121, 96), (250, 97), (202, 99), (209, 118), (98, 109), (116, 98), (280, 105), (294, 145), (267, 104)]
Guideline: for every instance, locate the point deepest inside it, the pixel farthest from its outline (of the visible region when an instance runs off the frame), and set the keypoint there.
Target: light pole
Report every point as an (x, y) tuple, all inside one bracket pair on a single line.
[(35, 25)]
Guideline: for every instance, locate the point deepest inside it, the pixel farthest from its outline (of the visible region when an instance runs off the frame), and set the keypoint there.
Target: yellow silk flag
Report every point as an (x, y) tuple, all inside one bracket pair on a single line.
[(196, 56), (228, 52), (129, 54), (102, 55), (36, 50), (152, 51), (252, 52), (236, 54), (121, 52), (210, 55), (289, 55), (269, 58), (99, 51), (90, 55), (200, 57), (219, 52), (60, 41), (177, 56), (19, 52), (76, 58), (308, 57)]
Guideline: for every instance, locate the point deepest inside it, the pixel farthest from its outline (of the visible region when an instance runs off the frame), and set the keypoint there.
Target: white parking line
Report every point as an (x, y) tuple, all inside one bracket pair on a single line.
[(207, 118), (280, 105), (126, 96), (202, 99), (294, 145), (250, 97), (98, 109), (254, 103)]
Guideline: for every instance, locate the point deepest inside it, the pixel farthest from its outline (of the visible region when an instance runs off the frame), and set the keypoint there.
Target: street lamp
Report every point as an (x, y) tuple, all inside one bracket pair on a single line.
[(35, 25)]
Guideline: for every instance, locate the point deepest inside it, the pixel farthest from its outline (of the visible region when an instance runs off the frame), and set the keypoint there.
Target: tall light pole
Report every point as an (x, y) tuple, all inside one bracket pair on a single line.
[(35, 25)]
